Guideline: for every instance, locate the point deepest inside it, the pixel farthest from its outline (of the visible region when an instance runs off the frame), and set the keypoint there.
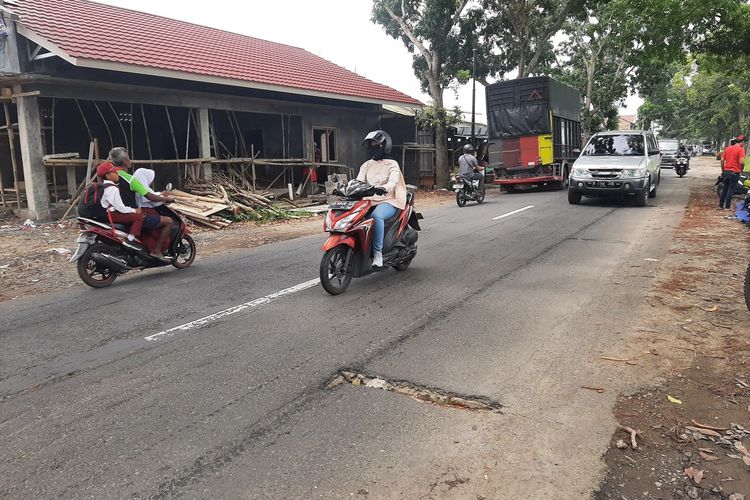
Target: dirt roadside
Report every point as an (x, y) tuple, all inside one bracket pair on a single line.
[(694, 424), (34, 260)]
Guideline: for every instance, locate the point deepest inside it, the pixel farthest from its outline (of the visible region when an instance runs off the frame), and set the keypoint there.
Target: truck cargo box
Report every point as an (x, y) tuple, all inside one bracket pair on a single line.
[(534, 130)]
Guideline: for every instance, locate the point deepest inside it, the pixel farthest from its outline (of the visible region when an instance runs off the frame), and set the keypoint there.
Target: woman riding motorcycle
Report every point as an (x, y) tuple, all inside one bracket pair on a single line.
[(384, 173)]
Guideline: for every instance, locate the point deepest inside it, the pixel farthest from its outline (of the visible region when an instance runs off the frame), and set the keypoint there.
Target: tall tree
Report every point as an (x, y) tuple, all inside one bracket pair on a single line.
[(635, 43), (592, 60), (431, 31), (521, 31)]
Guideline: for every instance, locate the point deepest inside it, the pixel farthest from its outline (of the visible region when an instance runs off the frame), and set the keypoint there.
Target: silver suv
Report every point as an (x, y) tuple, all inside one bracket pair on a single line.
[(669, 149), (617, 163)]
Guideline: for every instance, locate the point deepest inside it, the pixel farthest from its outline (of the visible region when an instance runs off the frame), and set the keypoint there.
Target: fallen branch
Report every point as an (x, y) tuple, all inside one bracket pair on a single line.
[(698, 424), (633, 434), (607, 358), (592, 388), (701, 430)]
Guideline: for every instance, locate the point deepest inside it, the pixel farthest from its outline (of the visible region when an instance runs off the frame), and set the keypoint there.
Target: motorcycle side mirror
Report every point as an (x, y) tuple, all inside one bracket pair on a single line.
[(168, 187)]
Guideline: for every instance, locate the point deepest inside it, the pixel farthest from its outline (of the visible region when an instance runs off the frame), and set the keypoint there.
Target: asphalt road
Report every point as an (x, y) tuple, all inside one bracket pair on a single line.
[(506, 309)]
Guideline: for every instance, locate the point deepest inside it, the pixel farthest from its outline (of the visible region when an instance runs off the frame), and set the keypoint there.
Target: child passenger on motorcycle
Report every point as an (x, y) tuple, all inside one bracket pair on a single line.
[(148, 205), (384, 173), (117, 211)]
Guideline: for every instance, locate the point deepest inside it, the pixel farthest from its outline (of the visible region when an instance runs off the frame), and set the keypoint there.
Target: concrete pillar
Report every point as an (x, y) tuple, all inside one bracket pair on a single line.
[(204, 134), (32, 151)]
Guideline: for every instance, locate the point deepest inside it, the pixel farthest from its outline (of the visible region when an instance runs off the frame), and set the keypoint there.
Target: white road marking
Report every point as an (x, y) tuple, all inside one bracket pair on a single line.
[(234, 310), (512, 213)]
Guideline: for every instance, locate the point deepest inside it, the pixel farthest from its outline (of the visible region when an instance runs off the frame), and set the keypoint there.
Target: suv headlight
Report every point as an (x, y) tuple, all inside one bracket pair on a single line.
[(581, 173), (634, 172)]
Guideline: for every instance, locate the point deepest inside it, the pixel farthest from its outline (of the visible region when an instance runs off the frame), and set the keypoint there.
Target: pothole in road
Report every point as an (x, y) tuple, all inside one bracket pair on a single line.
[(420, 393)]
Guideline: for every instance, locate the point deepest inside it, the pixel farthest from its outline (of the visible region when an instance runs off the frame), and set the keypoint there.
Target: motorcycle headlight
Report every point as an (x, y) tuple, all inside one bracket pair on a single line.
[(634, 172), (341, 224), (581, 173), (344, 223)]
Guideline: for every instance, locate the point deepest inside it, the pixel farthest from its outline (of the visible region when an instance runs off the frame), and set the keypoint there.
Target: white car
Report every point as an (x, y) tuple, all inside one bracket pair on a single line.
[(617, 163)]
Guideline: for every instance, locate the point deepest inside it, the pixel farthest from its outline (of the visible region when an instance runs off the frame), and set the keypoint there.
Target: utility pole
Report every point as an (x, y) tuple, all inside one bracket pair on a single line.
[(473, 95)]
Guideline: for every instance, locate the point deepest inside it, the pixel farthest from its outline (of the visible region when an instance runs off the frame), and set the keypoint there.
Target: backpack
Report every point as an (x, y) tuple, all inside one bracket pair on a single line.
[(90, 205)]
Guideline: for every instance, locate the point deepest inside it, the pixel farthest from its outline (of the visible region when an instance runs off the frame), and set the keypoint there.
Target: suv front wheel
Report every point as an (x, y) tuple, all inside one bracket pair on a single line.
[(573, 197), (641, 197), (652, 193)]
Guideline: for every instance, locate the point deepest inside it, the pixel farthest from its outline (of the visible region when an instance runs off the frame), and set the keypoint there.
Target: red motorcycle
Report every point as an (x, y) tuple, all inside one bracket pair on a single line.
[(104, 251), (348, 249)]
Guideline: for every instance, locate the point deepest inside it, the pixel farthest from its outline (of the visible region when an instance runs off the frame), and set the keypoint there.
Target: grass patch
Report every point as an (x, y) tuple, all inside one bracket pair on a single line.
[(265, 215)]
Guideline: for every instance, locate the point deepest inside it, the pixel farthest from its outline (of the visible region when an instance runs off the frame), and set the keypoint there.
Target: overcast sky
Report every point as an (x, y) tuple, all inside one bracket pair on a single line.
[(337, 30)]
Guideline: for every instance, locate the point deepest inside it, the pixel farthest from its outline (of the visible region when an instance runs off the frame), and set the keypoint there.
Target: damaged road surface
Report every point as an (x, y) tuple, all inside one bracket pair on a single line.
[(492, 334)]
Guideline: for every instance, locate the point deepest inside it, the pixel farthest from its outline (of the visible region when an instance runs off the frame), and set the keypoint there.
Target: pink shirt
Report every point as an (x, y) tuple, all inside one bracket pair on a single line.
[(385, 174)]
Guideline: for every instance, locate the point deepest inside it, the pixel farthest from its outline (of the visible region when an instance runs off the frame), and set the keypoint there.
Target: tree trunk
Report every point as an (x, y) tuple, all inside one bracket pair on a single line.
[(588, 101), (442, 165)]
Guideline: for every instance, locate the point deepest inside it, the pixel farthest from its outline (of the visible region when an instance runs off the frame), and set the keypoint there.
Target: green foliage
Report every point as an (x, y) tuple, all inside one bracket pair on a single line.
[(517, 34), (705, 99), (430, 117), (643, 45)]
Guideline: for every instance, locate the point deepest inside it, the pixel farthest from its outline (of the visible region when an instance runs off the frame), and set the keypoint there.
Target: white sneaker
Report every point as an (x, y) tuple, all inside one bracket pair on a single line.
[(377, 259)]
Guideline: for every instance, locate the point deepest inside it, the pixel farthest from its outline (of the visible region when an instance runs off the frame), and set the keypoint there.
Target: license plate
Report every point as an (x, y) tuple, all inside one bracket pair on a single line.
[(458, 186), (341, 205)]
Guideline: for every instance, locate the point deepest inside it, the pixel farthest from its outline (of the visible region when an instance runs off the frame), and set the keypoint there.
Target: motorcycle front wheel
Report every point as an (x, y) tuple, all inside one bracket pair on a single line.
[(335, 275), (91, 273), (460, 199), (185, 252), (480, 198)]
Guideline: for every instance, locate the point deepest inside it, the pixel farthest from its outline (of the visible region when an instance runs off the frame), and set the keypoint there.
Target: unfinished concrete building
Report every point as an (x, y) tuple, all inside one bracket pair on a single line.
[(181, 97)]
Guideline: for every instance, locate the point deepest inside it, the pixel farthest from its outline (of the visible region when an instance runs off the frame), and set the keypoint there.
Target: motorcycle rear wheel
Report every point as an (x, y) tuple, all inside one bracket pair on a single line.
[(90, 272), (403, 266), (460, 199), (333, 277), (186, 253)]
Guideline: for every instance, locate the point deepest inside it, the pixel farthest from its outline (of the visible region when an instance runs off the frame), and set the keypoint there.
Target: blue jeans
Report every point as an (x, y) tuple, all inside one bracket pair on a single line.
[(382, 212)]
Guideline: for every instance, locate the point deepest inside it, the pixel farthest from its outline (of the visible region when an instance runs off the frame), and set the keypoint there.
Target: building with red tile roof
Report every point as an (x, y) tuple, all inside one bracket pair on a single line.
[(169, 89), (87, 34)]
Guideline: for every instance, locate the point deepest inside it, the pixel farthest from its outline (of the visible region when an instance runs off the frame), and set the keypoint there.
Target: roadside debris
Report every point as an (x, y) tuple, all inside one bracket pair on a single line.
[(633, 434), (593, 388), (695, 474), (674, 400), (215, 204), (60, 251)]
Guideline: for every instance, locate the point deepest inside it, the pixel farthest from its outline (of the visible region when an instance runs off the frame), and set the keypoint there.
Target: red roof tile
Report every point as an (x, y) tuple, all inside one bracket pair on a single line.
[(92, 31)]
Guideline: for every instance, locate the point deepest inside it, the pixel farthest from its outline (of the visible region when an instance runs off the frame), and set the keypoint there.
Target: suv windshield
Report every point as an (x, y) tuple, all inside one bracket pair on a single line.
[(615, 145), (668, 145)]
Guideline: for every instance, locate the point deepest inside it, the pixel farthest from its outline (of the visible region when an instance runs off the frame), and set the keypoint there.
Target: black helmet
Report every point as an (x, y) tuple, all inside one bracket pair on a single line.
[(381, 137), (468, 149)]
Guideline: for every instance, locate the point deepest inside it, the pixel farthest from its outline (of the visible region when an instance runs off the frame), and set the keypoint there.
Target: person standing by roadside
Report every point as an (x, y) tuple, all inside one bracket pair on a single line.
[(733, 159)]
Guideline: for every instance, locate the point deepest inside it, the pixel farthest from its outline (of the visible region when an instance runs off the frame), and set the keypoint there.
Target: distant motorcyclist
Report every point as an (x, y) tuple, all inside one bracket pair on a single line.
[(682, 152), (469, 168)]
